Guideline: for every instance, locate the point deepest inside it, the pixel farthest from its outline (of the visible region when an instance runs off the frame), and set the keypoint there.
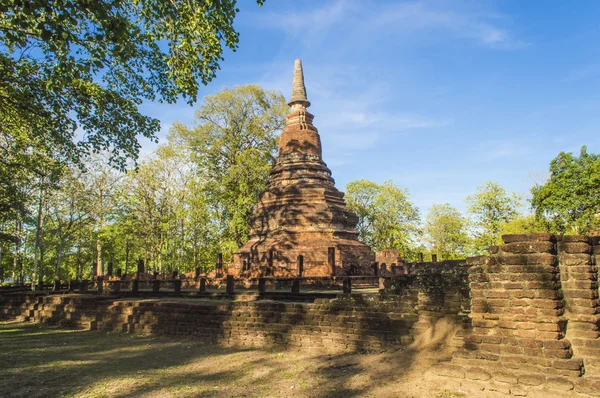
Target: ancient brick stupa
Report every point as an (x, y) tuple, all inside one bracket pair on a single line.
[(301, 225)]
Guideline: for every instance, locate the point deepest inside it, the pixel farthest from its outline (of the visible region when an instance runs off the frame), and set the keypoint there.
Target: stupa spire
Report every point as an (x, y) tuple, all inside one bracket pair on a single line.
[(298, 88)]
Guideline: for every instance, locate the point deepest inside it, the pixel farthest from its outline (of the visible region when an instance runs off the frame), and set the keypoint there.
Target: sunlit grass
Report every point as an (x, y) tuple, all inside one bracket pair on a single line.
[(42, 362)]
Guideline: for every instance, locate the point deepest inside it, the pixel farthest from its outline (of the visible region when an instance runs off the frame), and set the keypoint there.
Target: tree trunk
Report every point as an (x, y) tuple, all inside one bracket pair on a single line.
[(1, 267), (42, 252), (182, 244), (79, 263), (195, 248), (127, 256), (98, 257), (160, 252), (17, 248), (38, 232), (59, 257)]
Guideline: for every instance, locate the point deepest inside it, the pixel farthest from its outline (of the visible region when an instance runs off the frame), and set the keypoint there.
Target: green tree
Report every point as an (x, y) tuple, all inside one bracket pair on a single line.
[(387, 217), (73, 74), (233, 146), (446, 232), (570, 199), (69, 211), (525, 224), (89, 64), (491, 207)]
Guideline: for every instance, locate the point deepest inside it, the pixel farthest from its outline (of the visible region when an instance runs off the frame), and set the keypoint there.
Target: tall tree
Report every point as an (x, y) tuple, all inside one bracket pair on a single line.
[(70, 210), (233, 146), (570, 199), (387, 217), (446, 232), (73, 73), (102, 183), (491, 207)]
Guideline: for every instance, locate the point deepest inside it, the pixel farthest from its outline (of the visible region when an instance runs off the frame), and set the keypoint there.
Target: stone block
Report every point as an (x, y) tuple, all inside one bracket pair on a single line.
[(499, 387), (574, 238), (568, 364), (574, 259), (448, 370), (518, 391), (477, 374), (540, 237), (531, 379), (589, 387), (528, 247), (525, 259), (574, 248)]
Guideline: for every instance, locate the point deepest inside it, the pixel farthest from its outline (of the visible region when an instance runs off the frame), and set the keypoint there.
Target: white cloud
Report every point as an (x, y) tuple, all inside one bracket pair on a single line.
[(362, 21), (389, 121), (481, 27), (307, 22)]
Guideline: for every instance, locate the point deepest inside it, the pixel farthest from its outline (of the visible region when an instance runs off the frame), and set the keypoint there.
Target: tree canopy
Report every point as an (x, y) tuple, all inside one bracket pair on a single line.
[(491, 207), (73, 74), (446, 232), (233, 146), (570, 199), (387, 217)]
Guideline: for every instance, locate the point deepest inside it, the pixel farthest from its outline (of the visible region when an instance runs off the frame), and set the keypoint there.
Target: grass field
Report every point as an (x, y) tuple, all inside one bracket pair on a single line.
[(51, 362)]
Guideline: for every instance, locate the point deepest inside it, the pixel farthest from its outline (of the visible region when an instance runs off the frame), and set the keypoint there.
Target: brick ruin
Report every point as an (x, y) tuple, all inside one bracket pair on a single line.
[(524, 321), (407, 309), (301, 225), (535, 319)]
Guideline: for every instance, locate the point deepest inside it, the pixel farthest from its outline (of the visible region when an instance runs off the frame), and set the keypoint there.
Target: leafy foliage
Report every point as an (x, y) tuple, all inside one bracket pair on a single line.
[(525, 224), (88, 64), (446, 232), (73, 74), (233, 147), (491, 207), (570, 199), (387, 217)]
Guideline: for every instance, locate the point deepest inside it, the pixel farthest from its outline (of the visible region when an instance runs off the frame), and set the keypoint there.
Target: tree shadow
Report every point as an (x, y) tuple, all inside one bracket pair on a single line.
[(55, 362), (51, 362)]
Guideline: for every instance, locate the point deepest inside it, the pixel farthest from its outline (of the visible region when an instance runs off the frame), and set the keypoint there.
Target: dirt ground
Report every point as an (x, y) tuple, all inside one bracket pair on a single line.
[(51, 362)]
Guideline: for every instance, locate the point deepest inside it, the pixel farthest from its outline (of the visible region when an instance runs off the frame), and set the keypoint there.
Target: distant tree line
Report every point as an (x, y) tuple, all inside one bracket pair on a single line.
[(567, 203), (176, 209), (191, 199), (72, 77)]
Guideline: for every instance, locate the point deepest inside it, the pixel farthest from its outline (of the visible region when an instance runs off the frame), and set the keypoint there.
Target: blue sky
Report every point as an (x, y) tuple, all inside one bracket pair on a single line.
[(438, 96)]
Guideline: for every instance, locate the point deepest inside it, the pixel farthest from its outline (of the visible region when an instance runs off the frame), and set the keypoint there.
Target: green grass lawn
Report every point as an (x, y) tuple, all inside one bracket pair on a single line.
[(52, 362)]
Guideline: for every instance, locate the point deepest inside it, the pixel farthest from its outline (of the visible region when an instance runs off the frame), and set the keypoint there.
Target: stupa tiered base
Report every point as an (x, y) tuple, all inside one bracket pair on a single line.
[(301, 225)]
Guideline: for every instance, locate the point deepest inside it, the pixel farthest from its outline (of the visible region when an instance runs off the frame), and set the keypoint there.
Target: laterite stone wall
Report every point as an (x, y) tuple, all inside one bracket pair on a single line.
[(535, 319), (347, 324)]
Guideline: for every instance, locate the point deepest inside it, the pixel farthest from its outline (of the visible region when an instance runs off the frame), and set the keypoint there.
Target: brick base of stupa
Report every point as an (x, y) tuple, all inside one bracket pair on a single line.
[(304, 257)]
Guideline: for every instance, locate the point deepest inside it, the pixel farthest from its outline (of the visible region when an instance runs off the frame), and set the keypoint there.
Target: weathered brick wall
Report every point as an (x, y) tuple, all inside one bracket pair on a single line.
[(535, 318), (15, 306), (579, 281), (346, 324), (438, 290), (412, 305)]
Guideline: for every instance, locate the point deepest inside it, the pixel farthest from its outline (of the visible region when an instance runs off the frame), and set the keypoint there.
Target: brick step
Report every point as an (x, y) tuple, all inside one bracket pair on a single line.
[(212, 334), (271, 327), (520, 364)]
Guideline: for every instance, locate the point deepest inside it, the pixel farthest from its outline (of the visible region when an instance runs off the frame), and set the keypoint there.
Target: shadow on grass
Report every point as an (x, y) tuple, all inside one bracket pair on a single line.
[(45, 361), (36, 362)]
